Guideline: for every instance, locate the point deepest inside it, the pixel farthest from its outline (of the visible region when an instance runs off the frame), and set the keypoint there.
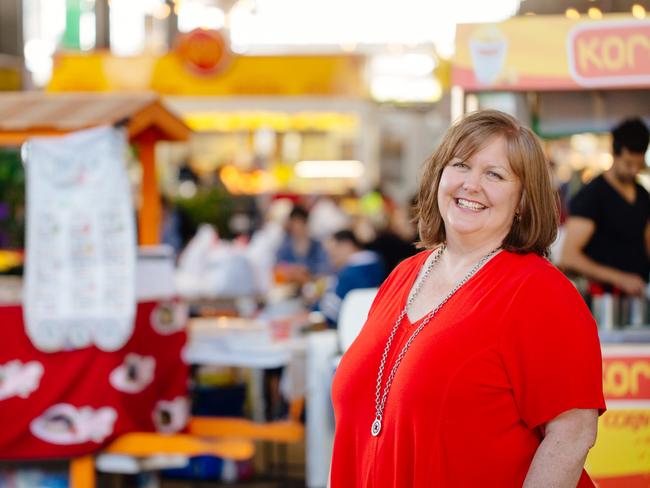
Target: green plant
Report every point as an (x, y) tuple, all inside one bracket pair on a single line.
[(12, 199), (211, 206)]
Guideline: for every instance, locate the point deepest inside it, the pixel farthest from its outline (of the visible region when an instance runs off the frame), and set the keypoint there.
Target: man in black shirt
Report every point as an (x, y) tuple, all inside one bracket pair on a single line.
[(607, 232)]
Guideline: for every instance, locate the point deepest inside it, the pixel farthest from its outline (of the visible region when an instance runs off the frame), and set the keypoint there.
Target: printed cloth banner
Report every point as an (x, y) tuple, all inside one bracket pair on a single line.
[(70, 403), (81, 248), (553, 53)]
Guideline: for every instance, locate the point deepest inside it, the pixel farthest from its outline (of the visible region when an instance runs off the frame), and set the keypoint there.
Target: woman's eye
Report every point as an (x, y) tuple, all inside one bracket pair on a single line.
[(459, 164), (494, 176)]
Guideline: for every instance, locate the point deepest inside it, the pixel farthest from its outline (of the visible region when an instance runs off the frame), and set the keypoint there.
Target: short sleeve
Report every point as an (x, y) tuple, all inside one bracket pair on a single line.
[(585, 203), (550, 350)]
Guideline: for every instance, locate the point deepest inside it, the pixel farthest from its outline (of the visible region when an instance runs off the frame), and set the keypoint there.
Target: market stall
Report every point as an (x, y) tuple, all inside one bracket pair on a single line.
[(147, 120), (71, 399), (582, 77), (253, 116), (572, 88), (256, 116)]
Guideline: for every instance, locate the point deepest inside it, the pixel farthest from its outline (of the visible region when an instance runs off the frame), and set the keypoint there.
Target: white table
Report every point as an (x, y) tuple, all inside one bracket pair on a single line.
[(246, 343)]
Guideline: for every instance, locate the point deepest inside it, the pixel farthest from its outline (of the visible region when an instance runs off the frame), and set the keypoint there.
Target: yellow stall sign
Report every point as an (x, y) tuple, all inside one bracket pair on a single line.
[(553, 53), (202, 65), (621, 456)]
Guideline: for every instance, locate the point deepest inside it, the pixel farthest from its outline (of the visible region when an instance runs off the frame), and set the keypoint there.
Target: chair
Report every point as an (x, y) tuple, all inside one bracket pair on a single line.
[(142, 445), (226, 437), (279, 433), (353, 314)]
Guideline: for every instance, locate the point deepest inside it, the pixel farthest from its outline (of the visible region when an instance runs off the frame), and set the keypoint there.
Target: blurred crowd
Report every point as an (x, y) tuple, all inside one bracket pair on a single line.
[(318, 248)]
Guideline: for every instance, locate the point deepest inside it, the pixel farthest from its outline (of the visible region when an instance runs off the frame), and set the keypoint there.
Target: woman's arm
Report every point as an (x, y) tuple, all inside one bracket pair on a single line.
[(561, 456)]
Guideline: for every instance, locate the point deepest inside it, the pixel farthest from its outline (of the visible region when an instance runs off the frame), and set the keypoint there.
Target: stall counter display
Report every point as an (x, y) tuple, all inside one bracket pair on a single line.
[(71, 403)]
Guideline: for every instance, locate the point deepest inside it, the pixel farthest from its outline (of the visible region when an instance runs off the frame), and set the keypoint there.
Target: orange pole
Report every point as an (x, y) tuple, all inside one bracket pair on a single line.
[(150, 208), (82, 472)]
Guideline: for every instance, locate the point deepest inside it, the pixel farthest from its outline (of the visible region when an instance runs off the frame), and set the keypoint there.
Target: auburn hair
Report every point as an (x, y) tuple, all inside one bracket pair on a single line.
[(535, 227)]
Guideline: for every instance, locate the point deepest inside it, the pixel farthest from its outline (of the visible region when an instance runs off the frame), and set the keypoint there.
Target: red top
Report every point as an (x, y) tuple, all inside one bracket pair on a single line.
[(512, 349)]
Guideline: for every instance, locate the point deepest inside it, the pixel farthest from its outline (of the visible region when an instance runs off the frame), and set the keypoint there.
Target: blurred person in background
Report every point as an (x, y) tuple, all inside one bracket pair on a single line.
[(326, 217), (300, 256), (355, 266), (607, 233), (479, 363), (173, 225), (395, 236), (300, 259), (263, 247)]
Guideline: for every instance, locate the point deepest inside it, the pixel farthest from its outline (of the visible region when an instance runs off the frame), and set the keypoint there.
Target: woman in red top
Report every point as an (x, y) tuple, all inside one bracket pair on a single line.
[(479, 364)]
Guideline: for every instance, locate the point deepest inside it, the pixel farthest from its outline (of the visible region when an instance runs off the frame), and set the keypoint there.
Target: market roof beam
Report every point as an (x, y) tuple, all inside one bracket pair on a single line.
[(30, 114)]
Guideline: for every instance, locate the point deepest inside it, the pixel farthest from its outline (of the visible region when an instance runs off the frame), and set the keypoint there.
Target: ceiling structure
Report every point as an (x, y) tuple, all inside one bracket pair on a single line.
[(559, 7)]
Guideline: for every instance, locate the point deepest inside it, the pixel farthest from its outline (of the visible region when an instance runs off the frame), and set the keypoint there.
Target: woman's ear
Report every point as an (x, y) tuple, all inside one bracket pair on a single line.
[(522, 203)]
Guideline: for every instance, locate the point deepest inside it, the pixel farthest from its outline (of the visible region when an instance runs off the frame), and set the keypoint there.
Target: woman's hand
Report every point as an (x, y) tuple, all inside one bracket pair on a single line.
[(561, 456)]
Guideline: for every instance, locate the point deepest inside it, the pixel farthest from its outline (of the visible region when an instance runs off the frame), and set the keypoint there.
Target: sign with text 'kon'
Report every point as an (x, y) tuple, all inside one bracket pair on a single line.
[(545, 52), (609, 54)]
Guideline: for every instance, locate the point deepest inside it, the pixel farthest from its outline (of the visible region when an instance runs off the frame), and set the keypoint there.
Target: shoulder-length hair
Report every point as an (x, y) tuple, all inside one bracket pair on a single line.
[(535, 227)]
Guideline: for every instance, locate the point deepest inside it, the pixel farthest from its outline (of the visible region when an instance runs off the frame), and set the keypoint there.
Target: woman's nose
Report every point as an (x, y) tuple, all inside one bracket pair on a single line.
[(472, 181)]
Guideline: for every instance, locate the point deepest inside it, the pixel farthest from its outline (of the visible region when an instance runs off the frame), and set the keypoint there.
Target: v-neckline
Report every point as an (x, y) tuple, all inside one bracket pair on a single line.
[(406, 320), (620, 195)]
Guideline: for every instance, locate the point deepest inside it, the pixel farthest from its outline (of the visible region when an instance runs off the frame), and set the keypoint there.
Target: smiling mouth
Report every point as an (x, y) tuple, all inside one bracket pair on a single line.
[(468, 204)]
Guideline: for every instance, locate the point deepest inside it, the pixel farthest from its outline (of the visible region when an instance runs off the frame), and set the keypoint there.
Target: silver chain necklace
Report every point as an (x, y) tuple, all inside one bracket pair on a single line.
[(380, 399)]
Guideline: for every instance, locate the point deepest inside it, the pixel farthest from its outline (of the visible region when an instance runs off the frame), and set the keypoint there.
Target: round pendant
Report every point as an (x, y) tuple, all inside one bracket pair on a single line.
[(376, 428)]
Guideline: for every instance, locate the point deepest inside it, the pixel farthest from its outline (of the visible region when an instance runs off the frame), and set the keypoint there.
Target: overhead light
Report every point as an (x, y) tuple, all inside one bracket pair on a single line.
[(405, 89), (329, 169), (38, 60), (594, 13), (411, 64), (162, 11), (638, 11), (572, 14)]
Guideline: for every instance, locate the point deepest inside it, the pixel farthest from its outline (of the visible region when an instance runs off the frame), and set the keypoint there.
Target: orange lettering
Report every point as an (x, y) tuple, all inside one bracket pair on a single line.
[(626, 420), (632, 43), (638, 369), (616, 379), (587, 54), (613, 52)]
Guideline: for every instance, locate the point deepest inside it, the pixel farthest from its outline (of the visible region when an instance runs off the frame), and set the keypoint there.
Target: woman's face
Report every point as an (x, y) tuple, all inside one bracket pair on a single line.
[(478, 197)]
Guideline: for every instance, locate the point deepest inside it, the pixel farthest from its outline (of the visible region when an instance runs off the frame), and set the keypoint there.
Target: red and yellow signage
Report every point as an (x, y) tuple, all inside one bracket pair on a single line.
[(327, 75), (627, 378), (621, 456), (610, 53), (203, 51), (553, 53)]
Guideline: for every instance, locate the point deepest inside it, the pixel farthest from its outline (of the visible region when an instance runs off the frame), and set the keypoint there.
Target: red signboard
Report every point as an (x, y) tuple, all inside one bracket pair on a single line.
[(626, 378), (610, 53)]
